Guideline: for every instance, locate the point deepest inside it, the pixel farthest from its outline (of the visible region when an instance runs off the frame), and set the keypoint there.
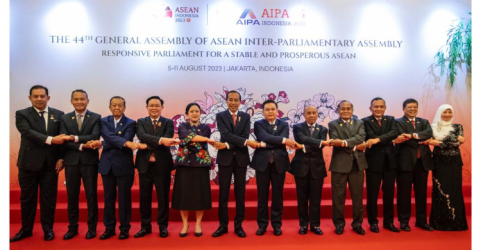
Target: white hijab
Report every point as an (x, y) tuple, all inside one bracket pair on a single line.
[(440, 127)]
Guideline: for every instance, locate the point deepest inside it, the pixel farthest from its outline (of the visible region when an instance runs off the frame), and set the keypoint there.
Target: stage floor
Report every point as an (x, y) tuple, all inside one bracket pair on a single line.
[(385, 240)]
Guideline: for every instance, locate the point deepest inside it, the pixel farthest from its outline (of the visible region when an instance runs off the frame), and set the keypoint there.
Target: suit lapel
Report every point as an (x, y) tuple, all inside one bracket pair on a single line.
[(37, 119), (409, 125), (50, 121), (317, 130), (74, 123), (85, 121), (305, 128), (238, 119), (157, 128), (383, 124), (120, 124), (269, 127), (343, 127)]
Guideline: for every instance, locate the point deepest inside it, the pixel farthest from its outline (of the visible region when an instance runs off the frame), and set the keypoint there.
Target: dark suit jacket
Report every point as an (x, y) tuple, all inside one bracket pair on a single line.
[(273, 138), (235, 137), (343, 157), (33, 150), (90, 131), (114, 155), (407, 151), (145, 133), (313, 158), (376, 155)]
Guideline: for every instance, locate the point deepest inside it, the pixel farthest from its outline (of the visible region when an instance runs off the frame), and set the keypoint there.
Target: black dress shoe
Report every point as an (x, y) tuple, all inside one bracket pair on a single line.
[(359, 230), (90, 234), (303, 230), (277, 231), (70, 234), (316, 230), (220, 231), (163, 232), (198, 234), (49, 235), (425, 226), (261, 231), (124, 234), (107, 234), (339, 229), (240, 232), (143, 232), (374, 228), (392, 228), (184, 234), (405, 227), (21, 235)]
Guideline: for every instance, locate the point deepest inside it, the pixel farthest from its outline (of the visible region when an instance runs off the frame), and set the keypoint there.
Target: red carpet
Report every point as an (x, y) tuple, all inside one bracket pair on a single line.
[(416, 239)]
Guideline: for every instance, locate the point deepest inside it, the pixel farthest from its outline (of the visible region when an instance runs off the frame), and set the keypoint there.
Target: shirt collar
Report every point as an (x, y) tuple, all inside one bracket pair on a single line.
[(309, 125), (83, 114), (152, 119), (116, 121), (273, 123), (234, 113), (38, 110), (346, 121)]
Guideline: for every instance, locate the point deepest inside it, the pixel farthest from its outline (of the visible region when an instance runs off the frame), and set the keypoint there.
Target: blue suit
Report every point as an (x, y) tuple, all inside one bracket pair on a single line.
[(117, 169)]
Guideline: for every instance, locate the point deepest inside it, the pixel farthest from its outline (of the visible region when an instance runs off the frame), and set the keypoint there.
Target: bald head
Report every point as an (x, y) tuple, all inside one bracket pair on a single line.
[(310, 114)]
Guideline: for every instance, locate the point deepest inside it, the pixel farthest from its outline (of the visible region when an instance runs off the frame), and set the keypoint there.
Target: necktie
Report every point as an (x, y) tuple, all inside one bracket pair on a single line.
[(271, 154), (233, 118), (414, 125), (79, 122), (154, 124), (379, 121), (43, 120), (311, 129)]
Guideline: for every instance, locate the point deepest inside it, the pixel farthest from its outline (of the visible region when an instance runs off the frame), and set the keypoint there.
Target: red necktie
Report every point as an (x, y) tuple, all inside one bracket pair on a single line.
[(233, 118), (152, 156), (379, 121), (154, 124), (414, 125)]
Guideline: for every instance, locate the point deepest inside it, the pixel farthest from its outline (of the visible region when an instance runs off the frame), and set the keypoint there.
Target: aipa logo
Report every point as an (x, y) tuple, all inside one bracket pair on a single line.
[(243, 21)]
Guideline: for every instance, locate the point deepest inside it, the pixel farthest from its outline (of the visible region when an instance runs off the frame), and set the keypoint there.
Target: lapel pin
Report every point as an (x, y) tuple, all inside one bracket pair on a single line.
[(317, 128), (51, 117), (73, 117), (372, 120), (120, 132), (159, 124), (120, 124), (340, 124), (275, 127), (384, 118), (88, 115), (351, 122), (239, 118)]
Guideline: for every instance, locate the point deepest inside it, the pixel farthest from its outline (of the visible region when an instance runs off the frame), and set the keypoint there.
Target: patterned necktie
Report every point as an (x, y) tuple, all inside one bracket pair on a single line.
[(154, 123), (311, 129), (79, 121), (43, 120), (234, 118), (414, 125)]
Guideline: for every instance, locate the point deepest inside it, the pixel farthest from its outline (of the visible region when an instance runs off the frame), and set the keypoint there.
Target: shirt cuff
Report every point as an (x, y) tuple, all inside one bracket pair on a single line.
[(76, 138), (416, 136), (354, 149), (160, 141), (283, 140), (320, 144), (303, 148), (80, 148), (227, 145), (263, 144), (345, 143), (49, 140), (245, 143)]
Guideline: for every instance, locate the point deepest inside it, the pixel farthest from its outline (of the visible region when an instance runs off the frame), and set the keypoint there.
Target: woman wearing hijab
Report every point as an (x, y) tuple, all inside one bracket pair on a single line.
[(447, 210), (192, 179)]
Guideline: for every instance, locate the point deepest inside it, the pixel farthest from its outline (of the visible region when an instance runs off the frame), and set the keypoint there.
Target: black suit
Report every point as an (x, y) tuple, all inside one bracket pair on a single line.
[(81, 165), (36, 165), (117, 169), (154, 165), (233, 160), (347, 166), (381, 160), (309, 171), (413, 171), (271, 164)]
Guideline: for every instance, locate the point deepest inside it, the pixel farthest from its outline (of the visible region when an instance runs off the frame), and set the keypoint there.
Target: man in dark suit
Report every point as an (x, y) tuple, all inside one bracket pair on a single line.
[(81, 162), (233, 158), (271, 162), (380, 131), (154, 165), (414, 162), (117, 166), (347, 166), (39, 162), (309, 170)]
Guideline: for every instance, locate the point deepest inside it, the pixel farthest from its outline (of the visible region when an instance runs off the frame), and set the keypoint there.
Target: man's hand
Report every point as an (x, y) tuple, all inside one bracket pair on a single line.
[(298, 146), (68, 137), (461, 139), (337, 143), (59, 166), (253, 144), (86, 145), (362, 146), (169, 142), (95, 144), (373, 141), (399, 139), (407, 136), (131, 145), (326, 143), (58, 139), (434, 143), (141, 146), (290, 143), (219, 145), (426, 142)]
